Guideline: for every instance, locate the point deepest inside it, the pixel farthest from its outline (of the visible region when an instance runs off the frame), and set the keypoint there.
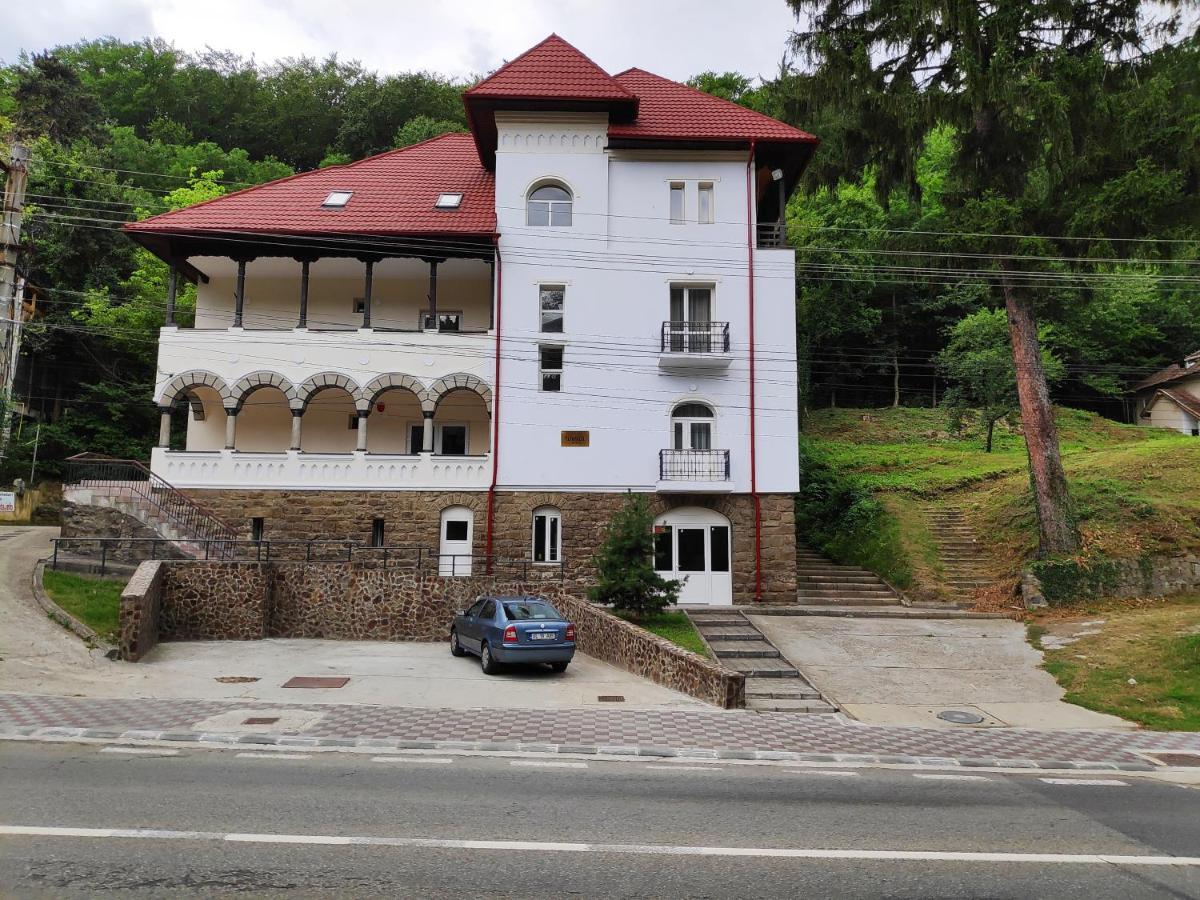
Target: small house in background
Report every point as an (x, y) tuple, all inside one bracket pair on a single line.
[(1171, 398)]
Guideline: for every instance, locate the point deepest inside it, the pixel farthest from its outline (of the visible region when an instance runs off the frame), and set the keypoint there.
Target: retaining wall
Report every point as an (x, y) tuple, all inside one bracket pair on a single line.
[(1060, 582)]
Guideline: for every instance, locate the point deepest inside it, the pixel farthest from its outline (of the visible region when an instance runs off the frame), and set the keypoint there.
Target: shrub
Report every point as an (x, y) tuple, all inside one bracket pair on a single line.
[(625, 576)]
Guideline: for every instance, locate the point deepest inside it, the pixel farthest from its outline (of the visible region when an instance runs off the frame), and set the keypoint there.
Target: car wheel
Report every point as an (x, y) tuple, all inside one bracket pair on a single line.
[(486, 662), (455, 647), (558, 666)]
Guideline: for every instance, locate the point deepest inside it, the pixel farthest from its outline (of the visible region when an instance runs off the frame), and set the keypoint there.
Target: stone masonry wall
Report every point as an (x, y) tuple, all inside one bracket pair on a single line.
[(1061, 582), (199, 600), (139, 612), (80, 520), (412, 519)]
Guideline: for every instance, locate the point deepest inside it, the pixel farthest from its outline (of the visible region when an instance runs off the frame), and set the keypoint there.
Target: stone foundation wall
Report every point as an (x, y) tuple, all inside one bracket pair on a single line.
[(139, 612), (1061, 582), (412, 518), (199, 600), (82, 520)]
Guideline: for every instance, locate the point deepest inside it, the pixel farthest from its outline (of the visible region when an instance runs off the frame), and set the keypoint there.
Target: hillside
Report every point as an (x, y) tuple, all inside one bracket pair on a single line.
[(1136, 490)]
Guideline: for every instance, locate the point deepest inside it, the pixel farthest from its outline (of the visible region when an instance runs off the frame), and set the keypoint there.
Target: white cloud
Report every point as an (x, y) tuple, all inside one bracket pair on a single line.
[(676, 38)]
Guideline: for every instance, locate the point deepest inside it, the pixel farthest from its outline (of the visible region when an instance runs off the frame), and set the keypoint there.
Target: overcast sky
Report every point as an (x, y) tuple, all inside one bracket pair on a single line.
[(675, 38)]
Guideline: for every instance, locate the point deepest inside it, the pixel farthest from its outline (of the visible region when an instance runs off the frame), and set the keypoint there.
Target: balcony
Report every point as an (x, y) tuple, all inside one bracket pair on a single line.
[(694, 345), (230, 469), (694, 472), (771, 236)]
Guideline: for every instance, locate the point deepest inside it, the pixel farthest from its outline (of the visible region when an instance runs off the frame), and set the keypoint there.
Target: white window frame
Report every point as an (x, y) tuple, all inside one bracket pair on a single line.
[(677, 189), (543, 372), (686, 423), (551, 286), (547, 514), (702, 188), (551, 205), (439, 428)]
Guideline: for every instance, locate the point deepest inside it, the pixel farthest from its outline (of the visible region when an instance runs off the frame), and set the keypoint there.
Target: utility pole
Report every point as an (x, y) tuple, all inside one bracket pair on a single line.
[(11, 215)]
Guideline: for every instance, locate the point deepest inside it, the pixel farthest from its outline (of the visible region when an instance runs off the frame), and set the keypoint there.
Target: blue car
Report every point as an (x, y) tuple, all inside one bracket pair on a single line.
[(503, 630)]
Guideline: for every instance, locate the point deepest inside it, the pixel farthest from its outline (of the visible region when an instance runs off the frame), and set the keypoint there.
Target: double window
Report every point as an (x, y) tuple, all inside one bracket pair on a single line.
[(705, 204), (547, 535), (549, 204), (692, 427), (550, 367), (448, 440)]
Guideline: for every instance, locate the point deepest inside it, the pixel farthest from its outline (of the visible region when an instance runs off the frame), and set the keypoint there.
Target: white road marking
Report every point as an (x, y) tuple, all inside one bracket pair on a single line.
[(442, 760), (947, 776), (540, 764), (251, 754), (833, 773), (1105, 782), (151, 751), (953, 856), (686, 768)]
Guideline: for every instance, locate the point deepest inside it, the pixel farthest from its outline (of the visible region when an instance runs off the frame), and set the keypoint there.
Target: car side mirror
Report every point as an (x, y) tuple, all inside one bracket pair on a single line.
[(460, 612)]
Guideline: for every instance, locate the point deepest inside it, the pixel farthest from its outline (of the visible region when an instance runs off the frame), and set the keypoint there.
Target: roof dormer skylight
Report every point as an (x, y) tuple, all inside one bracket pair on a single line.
[(448, 201), (337, 199)]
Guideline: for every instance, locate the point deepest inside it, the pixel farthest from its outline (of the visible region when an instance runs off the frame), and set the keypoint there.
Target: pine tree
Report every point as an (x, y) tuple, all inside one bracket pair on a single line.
[(625, 576)]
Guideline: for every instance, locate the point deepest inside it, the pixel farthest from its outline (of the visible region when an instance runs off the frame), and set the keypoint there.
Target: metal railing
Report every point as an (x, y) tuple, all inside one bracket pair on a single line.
[(695, 337), (421, 559), (771, 235), (133, 480), (693, 465)]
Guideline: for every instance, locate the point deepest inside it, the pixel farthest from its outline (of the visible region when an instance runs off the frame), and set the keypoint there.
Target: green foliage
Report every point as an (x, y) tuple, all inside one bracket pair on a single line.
[(625, 576), (422, 128), (51, 100), (1066, 581)]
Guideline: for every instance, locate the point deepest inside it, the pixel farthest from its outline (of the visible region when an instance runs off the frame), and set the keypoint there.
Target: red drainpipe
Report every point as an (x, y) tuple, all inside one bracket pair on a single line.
[(491, 498), (753, 429)]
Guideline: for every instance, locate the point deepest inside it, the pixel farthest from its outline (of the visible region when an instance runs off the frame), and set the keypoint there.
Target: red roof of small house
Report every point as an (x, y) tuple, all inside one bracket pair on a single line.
[(552, 69), (668, 110), (1190, 368), (392, 194)]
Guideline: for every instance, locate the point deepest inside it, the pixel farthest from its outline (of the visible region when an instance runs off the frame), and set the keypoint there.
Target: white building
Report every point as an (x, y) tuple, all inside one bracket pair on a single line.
[(478, 344), (1170, 398)]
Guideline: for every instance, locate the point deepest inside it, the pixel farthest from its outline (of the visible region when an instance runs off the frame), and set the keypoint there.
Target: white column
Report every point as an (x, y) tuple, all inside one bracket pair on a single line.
[(362, 428), (164, 426), (427, 433), (297, 415), (230, 428)]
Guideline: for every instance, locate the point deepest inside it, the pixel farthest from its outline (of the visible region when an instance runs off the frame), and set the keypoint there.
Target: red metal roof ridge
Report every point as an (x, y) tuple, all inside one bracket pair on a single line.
[(136, 226), (553, 36)]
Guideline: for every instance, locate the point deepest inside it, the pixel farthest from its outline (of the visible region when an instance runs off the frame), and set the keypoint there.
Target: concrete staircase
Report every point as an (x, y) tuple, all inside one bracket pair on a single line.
[(961, 553), (125, 501), (772, 683), (821, 582)]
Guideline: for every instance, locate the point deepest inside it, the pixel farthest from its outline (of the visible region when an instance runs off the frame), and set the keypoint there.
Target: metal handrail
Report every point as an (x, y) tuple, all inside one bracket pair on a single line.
[(695, 337), (90, 469), (693, 465)]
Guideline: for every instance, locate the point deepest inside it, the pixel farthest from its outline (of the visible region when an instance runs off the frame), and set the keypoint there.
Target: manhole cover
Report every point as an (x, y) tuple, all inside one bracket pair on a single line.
[(960, 717), (236, 679), (611, 698), (1177, 759), (261, 720), (310, 681)]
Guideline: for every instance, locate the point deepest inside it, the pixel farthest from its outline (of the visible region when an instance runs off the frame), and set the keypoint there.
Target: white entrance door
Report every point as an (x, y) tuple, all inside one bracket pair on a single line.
[(692, 545), (457, 533)]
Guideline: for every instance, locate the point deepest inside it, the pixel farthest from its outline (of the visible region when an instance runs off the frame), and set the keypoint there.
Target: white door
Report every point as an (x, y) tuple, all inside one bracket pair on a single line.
[(457, 533), (692, 545)]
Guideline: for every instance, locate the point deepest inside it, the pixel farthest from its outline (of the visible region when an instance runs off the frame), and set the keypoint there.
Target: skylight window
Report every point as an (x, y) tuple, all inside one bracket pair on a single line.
[(448, 201), (337, 199)]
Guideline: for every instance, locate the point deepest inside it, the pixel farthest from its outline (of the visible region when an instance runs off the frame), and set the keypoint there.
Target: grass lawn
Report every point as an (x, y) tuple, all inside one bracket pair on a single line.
[(1155, 643), (93, 601), (676, 627)]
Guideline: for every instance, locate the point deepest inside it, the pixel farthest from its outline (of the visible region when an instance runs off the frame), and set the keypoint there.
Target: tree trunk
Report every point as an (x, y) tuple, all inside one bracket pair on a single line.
[(1049, 481), (895, 378), (991, 427)]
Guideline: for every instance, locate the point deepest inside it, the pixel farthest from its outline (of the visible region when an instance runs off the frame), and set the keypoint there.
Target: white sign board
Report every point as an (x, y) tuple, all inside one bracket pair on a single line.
[(8, 502)]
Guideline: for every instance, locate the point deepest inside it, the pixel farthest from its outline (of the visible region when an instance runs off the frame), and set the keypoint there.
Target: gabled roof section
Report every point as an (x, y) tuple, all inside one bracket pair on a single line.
[(551, 69), (392, 194), (1181, 398), (1190, 368), (668, 110)]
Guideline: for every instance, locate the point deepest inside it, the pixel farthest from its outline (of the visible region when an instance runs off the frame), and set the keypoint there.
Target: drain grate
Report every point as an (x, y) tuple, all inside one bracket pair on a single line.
[(1191, 760), (261, 720), (960, 717), (611, 698), (310, 681), (236, 679)]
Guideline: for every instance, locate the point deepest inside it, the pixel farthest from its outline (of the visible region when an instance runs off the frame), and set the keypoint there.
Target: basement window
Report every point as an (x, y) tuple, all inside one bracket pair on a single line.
[(377, 532), (448, 201), (337, 199), (256, 528)]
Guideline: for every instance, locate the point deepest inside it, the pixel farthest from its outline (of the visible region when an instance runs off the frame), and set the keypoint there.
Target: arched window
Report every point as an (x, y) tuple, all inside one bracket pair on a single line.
[(549, 204), (692, 427), (547, 535)]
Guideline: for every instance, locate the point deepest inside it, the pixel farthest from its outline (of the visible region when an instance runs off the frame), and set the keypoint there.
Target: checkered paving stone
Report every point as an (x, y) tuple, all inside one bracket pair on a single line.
[(716, 729)]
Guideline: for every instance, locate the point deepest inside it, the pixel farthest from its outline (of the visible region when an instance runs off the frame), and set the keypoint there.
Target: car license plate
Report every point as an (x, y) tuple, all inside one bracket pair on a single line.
[(542, 636)]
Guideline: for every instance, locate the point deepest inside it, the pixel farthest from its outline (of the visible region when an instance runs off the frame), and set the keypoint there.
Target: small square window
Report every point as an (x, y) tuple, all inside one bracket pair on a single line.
[(704, 203), (256, 528), (448, 201), (552, 296), (377, 526), (337, 199), (677, 203), (550, 364)]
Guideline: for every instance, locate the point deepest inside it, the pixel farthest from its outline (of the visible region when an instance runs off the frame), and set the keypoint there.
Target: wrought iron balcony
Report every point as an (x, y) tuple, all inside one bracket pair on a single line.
[(690, 345), (693, 465)]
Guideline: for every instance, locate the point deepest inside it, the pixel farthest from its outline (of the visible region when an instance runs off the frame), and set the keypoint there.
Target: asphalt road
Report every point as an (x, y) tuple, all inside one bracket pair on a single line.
[(207, 822)]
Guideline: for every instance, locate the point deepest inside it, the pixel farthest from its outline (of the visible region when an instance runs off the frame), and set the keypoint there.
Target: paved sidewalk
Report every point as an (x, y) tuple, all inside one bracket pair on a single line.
[(660, 732)]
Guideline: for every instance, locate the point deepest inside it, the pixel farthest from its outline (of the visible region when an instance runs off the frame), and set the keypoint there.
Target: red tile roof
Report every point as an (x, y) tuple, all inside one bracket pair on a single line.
[(394, 194), (1183, 400), (670, 110), (552, 69)]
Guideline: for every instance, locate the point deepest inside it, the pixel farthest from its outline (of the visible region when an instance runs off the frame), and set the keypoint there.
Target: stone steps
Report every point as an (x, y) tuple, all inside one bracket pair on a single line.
[(961, 553), (759, 649), (760, 668), (796, 706)]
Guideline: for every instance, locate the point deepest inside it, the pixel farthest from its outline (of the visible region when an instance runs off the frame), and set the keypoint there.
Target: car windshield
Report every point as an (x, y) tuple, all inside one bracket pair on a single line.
[(523, 610)]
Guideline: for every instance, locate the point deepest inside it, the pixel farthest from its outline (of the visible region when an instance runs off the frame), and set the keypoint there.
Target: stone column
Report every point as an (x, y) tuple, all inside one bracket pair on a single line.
[(362, 428), (297, 415), (303, 323), (433, 264), (164, 426), (172, 289), (230, 427), (427, 433), (239, 294), (369, 278)]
